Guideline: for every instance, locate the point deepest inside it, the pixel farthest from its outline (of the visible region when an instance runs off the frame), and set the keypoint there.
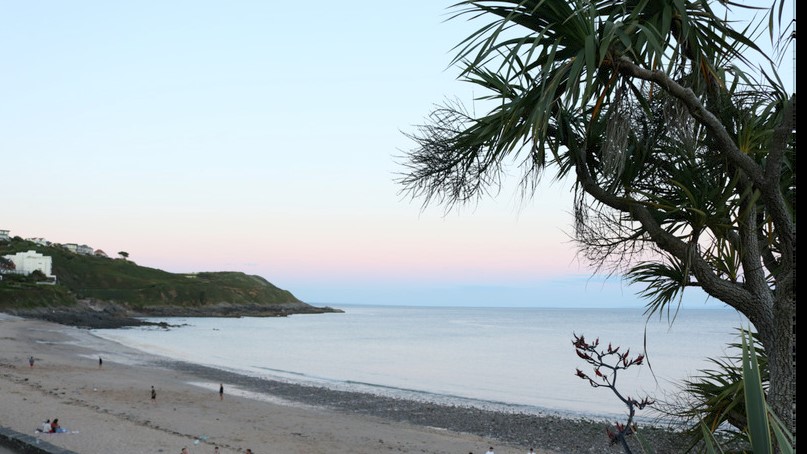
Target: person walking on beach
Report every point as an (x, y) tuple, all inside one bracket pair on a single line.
[(154, 395), (221, 391), (490, 451), (100, 362), (31, 361)]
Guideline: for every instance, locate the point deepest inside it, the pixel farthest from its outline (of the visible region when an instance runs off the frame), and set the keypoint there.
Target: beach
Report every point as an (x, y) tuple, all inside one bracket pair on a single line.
[(108, 408)]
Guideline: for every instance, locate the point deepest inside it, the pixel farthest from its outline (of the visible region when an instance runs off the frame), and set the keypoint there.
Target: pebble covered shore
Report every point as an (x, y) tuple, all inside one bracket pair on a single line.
[(564, 435)]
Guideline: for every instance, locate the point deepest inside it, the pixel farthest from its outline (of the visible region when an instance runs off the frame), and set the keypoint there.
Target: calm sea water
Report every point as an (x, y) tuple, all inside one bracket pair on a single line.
[(521, 359)]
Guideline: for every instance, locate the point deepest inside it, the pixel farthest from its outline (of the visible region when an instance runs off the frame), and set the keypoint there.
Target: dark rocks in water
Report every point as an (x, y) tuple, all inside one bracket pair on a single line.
[(86, 319), (94, 314)]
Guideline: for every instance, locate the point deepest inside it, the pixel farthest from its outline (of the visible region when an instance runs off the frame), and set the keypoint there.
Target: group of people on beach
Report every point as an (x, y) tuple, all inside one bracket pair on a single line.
[(52, 427), (49, 426)]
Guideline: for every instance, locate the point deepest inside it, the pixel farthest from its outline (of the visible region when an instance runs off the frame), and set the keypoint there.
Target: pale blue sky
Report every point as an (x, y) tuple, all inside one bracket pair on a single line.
[(261, 137)]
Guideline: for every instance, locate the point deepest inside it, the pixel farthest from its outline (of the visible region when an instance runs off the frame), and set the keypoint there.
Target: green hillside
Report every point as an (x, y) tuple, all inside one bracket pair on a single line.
[(115, 280)]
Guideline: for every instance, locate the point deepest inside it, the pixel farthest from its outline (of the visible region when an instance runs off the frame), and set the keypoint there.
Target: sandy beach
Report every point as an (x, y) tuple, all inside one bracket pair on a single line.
[(108, 408)]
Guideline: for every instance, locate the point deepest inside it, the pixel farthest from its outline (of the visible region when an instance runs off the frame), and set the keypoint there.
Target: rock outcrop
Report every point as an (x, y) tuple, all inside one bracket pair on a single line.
[(95, 314)]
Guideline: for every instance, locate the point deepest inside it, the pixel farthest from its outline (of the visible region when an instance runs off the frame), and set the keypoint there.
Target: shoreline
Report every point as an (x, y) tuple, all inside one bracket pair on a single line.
[(97, 314), (288, 417)]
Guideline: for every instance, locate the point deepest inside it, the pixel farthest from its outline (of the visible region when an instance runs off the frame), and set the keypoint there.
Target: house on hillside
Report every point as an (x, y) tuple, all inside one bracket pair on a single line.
[(82, 249), (4, 235), (39, 241), (100, 253), (27, 262)]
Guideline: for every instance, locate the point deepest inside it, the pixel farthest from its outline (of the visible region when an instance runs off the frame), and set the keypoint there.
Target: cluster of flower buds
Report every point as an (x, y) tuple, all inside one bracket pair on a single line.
[(598, 358), (622, 430), (611, 361)]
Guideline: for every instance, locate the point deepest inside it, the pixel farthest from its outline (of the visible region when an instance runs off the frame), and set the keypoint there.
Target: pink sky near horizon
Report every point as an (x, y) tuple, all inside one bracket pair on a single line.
[(449, 248)]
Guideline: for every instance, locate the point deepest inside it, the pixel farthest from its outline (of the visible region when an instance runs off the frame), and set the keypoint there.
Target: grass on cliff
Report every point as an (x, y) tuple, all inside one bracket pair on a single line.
[(123, 281)]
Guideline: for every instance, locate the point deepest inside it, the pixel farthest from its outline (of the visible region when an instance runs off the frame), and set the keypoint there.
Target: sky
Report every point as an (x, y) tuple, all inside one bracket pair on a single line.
[(267, 138)]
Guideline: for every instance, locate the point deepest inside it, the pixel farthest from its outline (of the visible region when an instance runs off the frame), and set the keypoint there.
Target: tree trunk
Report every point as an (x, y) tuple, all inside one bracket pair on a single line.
[(779, 341)]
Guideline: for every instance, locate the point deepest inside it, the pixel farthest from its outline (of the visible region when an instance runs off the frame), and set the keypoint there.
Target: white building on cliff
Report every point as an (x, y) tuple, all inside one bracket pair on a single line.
[(28, 262)]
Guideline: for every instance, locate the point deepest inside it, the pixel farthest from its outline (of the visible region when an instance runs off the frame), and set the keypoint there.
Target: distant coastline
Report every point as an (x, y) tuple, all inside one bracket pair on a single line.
[(79, 287), (96, 314)]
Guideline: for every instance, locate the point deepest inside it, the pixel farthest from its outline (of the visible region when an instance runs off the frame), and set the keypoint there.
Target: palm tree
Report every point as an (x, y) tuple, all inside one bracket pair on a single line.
[(683, 156)]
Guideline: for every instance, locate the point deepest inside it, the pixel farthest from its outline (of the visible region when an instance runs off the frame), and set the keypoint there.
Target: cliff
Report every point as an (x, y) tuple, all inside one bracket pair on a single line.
[(96, 292)]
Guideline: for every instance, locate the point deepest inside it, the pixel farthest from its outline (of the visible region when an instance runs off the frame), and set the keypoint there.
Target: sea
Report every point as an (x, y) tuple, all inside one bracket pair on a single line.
[(506, 359)]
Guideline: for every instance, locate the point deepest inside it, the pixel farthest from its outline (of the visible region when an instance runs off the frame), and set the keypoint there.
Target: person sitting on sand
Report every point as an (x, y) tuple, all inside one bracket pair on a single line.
[(56, 428)]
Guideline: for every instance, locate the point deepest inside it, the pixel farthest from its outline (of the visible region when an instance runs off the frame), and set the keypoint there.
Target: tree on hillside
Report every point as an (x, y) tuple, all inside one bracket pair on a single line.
[(682, 151)]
